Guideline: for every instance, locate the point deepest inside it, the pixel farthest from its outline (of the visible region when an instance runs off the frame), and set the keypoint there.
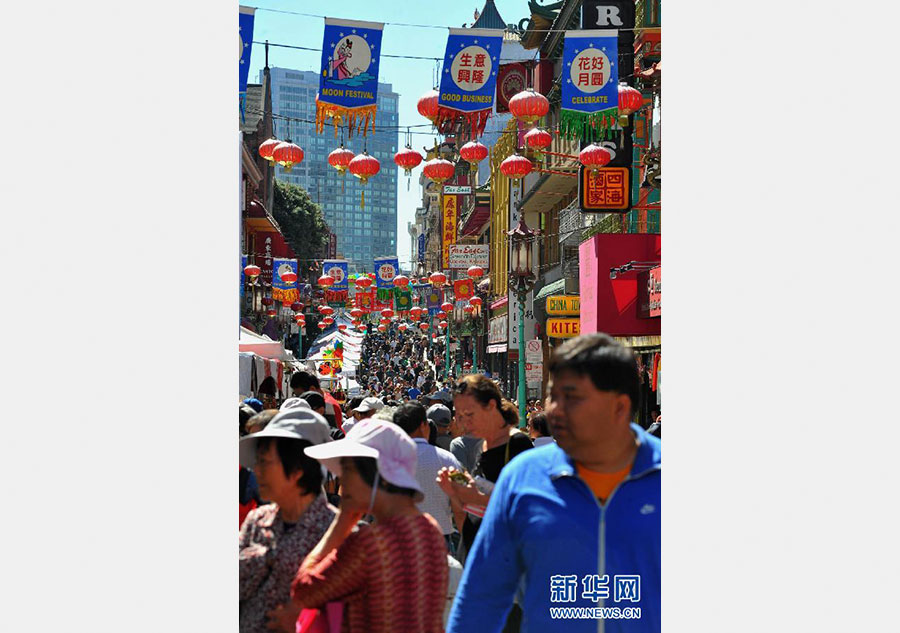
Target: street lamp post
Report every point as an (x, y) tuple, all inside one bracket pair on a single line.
[(521, 280)]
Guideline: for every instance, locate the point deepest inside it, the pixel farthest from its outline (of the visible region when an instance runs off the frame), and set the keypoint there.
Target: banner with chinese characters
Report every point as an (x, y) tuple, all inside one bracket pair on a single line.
[(245, 35), (449, 228), (590, 79), (421, 248), (284, 280), (402, 300), (337, 270), (243, 277), (365, 300), (384, 298), (348, 75), (336, 298), (510, 82), (386, 268), (608, 189), (433, 301), (469, 79), (462, 289)]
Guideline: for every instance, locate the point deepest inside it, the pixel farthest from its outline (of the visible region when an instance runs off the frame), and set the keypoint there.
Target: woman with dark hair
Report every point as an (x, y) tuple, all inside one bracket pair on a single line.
[(538, 429), (391, 575), (275, 538)]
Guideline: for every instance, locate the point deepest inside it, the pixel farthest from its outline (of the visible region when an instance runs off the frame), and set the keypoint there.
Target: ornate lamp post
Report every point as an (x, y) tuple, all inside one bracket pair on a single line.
[(521, 281)]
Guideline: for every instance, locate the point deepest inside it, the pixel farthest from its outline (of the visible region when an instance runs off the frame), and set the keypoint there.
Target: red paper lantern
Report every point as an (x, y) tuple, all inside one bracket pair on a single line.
[(325, 281), (428, 105), (473, 153), (387, 313), (267, 301), (364, 167), (326, 310), (342, 327), (516, 167), (328, 320), (289, 277), (538, 139), (594, 157), (630, 101), (438, 278), (475, 301), (340, 159), (267, 147), (401, 281), (363, 282), (402, 327), (469, 308), (447, 306), (528, 106), (408, 159), (362, 328), (297, 306), (475, 272), (423, 326), (271, 312), (382, 328), (321, 325), (252, 271), (442, 324), (356, 313), (415, 310), (441, 315), (439, 170), (287, 155)]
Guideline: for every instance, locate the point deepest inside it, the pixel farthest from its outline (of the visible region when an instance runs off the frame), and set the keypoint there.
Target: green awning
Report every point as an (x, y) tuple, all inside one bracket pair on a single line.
[(558, 287)]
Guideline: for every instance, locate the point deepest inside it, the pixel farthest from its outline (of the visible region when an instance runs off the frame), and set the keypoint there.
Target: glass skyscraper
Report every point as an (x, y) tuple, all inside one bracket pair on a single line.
[(362, 234)]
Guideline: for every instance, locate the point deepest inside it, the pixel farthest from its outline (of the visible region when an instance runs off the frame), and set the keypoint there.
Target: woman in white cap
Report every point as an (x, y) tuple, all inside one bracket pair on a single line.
[(391, 575), (275, 538)]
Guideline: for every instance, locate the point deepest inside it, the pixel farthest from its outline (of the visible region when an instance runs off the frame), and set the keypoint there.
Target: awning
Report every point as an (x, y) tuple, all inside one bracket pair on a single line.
[(476, 222), (554, 288)]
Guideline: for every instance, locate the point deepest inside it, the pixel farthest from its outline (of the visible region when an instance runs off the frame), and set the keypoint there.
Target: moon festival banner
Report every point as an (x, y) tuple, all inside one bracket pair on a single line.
[(284, 280), (348, 75)]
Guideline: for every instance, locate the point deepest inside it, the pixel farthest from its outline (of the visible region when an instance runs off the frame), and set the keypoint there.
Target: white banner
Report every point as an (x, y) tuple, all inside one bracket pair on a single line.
[(465, 255), (534, 374), (498, 329)]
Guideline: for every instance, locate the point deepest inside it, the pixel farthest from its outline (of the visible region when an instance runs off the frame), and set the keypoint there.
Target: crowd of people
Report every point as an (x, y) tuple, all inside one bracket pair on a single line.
[(427, 509)]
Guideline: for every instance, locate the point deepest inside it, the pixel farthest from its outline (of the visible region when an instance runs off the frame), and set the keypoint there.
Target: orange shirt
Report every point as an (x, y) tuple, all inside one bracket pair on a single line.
[(602, 484)]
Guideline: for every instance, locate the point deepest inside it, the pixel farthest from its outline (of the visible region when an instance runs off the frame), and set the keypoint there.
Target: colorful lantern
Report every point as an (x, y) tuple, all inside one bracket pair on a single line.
[(252, 271), (401, 281), (322, 325), (538, 139), (473, 153), (439, 170), (340, 159), (328, 320), (271, 312), (342, 327), (287, 155), (441, 315), (476, 301), (362, 328), (267, 301), (382, 328), (356, 313), (408, 159), (475, 272), (447, 307), (402, 327), (297, 306), (387, 313), (423, 326), (289, 277), (364, 167), (516, 167), (325, 281), (630, 101), (428, 105), (438, 278), (469, 308), (528, 106), (266, 149), (326, 310), (442, 324), (594, 157), (363, 282)]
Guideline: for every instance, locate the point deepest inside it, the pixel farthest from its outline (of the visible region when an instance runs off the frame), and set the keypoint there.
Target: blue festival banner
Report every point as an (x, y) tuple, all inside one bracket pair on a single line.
[(433, 301), (243, 275), (337, 270), (386, 268), (469, 78), (245, 34), (284, 280), (422, 248), (590, 85), (348, 76)]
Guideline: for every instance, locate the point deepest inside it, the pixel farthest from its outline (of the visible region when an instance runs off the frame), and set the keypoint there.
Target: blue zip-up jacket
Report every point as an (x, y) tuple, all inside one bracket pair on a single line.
[(543, 521)]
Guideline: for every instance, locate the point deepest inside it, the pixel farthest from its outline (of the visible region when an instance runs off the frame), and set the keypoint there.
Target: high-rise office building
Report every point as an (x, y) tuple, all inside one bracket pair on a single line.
[(362, 233)]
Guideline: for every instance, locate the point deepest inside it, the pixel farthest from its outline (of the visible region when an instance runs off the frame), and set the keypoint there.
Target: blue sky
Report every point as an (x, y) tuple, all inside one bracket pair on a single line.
[(410, 78)]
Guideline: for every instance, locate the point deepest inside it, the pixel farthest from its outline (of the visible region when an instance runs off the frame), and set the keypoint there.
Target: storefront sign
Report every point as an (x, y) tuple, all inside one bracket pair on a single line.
[(534, 374), (563, 328), (464, 255), (449, 228), (457, 189), (564, 305), (533, 351), (650, 293), (498, 328), (609, 189)]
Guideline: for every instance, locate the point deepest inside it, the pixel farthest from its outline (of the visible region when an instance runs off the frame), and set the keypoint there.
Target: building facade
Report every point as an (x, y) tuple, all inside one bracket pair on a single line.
[(362, 233)]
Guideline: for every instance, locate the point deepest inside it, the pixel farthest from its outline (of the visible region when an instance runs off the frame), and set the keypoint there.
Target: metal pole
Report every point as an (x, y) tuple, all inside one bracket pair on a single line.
[(475, 347), (447, 353), (521, 297)]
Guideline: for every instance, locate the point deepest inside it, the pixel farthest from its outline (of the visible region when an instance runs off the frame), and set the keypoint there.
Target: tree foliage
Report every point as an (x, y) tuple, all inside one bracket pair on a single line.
[(301, 222)]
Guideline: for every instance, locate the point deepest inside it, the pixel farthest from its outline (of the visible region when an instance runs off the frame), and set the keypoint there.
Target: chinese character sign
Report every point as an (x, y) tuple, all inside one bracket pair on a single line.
[(422, 248), (469, 79), (282, 290), (245, 35), (449, 227), (606, 190), (348, 76), (590, 78), (337, 270), (385, 270)]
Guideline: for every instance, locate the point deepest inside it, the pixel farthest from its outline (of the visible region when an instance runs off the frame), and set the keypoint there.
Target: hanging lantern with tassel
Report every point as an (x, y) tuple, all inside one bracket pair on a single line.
[(473, 153), (428, 105), (594, 157), (340, 160), (528, 106), (266, 149), (538, 140), (630, 101), (439, 170), (516, 167), (287, 154), (364, 167)]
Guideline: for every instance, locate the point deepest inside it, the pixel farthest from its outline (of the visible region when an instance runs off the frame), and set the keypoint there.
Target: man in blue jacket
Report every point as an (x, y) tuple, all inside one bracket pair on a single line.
[(572, 529)]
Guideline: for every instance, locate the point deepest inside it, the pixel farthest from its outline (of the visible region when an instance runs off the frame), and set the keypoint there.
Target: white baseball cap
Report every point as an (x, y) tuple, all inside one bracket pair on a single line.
[(369, 405), (293, 403), (297, 423), (391, 447)]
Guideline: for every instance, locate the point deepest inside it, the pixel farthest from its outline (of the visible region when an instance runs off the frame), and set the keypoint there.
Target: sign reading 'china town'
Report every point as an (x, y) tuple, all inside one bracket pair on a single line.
[(465, 255), (564, 305)]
